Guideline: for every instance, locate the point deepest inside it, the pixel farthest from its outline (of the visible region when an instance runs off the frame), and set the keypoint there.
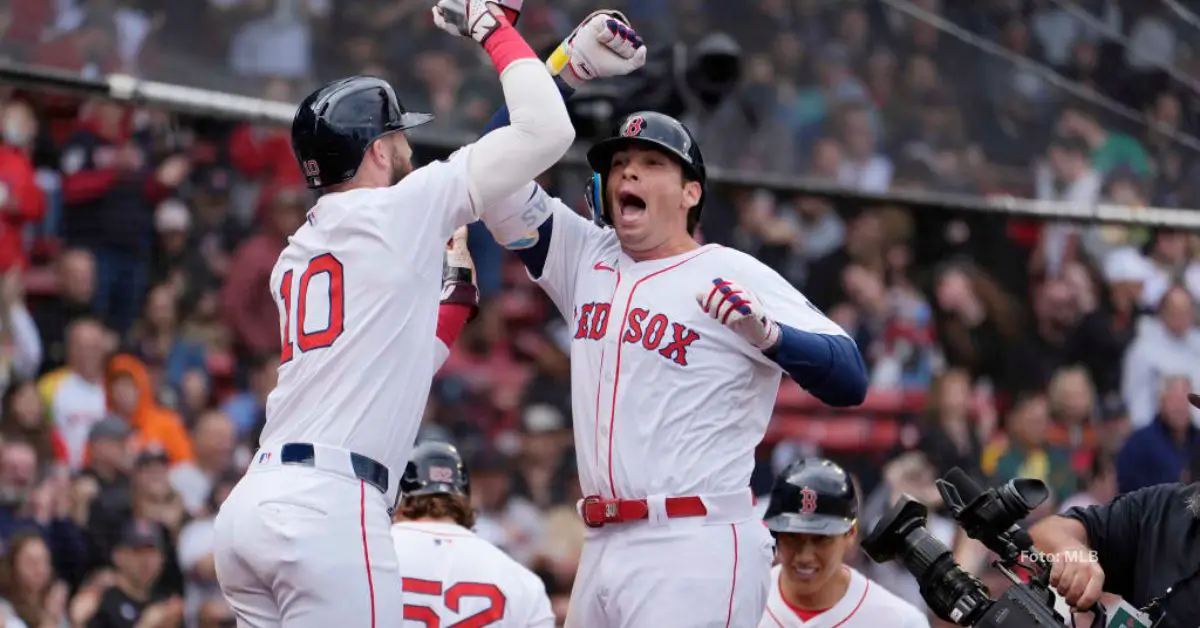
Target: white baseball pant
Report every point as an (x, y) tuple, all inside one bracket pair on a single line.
[(688, 572), (308, 545)]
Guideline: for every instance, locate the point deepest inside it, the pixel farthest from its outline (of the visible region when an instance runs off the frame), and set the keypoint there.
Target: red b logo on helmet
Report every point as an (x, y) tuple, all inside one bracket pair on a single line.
[(808, 501), (311, 168), (441, 474), (633, 127)]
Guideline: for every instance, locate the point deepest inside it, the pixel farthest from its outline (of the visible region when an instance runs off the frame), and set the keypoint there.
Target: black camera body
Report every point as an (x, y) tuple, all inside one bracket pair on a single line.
[(991, 518)]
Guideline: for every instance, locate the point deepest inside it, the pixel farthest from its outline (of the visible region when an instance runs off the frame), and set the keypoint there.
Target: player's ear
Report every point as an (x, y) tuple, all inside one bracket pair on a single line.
[(691, 193)]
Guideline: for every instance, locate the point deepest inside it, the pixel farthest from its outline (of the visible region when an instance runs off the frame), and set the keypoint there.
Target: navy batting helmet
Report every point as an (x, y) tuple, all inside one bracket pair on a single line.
[(336, 124), (652, 130), (435, 468), (812, 496)]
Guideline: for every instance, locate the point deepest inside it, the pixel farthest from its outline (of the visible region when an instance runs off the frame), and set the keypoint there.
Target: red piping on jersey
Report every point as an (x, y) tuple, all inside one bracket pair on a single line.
[(600, 375), (612, 417), (362, 524), (796, 611), (733, 585)]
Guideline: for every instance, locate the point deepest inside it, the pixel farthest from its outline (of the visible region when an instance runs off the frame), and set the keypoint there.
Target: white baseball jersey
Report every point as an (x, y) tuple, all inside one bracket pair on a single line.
[(666, 400), (865, 604), (454, 578), (358, 288)]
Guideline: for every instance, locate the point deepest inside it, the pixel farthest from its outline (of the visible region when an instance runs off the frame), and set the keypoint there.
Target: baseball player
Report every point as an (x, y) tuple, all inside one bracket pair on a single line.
[(303, 539), (813, 514), (452, 577), (676, 360)]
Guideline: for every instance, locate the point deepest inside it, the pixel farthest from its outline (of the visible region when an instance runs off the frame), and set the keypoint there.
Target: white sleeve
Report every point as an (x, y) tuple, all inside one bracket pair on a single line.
[(784, 303), (538, 134), (431, 202), (541, 614), (574, 240)]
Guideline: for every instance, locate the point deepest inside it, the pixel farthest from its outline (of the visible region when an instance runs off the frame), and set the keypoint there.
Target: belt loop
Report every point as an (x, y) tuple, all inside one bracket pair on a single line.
[(656, 510)]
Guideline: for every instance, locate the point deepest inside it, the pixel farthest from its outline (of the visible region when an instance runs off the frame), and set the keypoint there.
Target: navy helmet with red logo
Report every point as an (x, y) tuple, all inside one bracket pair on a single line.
[(435, 468), (336, 124), (648, 129), (812, 496)]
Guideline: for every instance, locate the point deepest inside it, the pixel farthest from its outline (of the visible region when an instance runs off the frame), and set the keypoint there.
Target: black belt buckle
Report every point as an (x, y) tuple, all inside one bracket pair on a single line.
[(364, 468)]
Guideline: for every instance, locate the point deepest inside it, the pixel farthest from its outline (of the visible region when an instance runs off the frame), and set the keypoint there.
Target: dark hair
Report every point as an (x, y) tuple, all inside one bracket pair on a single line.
[(28, 611), (41, 438), (438, 506)]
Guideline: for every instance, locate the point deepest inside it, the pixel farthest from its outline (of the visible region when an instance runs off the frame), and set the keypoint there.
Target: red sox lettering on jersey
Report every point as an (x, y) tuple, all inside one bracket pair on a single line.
[(643, 327)]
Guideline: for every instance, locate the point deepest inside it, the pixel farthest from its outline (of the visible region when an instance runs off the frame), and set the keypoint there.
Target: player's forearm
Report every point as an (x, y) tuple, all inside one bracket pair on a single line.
[(1057, 534), (501, 119), (539, 131), (829, 367)]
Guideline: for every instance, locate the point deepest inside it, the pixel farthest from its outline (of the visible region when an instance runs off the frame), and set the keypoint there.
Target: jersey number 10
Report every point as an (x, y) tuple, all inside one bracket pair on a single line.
[(451, 598), (295, 308)]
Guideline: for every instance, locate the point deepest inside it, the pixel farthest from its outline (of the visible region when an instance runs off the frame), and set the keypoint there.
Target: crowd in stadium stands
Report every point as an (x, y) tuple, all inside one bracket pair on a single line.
[(138, 341)]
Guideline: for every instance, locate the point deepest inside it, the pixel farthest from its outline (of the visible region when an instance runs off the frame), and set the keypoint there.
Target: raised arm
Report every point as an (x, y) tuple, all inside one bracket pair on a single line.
[(460, 296), (540, 130)]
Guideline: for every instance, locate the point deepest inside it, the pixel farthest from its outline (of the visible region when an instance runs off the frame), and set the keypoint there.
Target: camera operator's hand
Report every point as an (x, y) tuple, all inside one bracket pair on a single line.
[(1079, 581)]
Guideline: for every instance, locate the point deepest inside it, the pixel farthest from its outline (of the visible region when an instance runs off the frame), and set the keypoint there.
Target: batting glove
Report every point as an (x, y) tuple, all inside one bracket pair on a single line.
[(604, 44), (735, 308), (458, 273), (474, 18)]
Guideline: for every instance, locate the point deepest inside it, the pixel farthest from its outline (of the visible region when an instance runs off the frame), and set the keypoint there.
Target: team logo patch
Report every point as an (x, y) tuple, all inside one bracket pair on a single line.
[(441, 474), (633, 127), (808, 501)]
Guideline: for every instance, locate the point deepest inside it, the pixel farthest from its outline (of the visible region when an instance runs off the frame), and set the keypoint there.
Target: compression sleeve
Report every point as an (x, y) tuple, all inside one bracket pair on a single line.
[(829, 367)]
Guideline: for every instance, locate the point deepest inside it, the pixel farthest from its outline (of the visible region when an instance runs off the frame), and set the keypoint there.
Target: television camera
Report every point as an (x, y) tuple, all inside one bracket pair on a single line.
[(990, 517)]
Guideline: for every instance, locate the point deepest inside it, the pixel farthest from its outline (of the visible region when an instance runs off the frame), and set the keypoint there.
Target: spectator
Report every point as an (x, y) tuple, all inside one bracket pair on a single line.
[(1099, 485), (72, 301), (949, 436), (131, 602), (248, 408), (1073, 405), (509, 522), (196, 552), (74, 394), (30, 593), (250, 311), (154, 500), (23, 419), (213, 439), (20, 344), (1159, 453), (178, 261), (131, 399), (1168, 343), (157, 340), (1110, 149), (1022, 451), (1101, 338), (104, 488), (863, 167), (1169, 264), (977, 324), (109, 190), (215, 613), (22, 201)]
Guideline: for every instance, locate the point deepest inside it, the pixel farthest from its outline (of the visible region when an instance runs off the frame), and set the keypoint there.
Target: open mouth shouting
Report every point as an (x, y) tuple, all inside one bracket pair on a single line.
[(630, 206)]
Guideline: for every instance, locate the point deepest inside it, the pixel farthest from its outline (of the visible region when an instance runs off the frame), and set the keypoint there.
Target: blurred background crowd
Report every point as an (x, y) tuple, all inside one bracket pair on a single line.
[(138, 340)]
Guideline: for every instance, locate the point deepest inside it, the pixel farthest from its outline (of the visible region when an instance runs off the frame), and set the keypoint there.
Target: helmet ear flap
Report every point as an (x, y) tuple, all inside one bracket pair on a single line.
[(595, 200)]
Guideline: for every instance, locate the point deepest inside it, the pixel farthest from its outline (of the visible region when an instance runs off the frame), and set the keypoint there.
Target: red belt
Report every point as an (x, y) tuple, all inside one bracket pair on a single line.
[(598, 512)]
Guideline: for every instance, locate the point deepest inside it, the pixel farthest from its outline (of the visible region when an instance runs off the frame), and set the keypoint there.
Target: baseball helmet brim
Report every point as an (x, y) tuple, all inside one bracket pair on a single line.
[(822, 525), (412, 119), (1194, 399), (600, 155)]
